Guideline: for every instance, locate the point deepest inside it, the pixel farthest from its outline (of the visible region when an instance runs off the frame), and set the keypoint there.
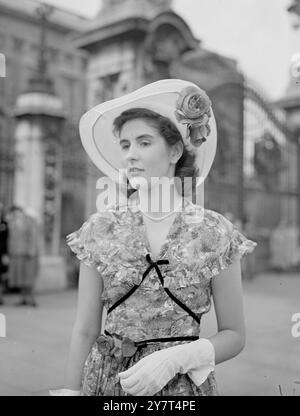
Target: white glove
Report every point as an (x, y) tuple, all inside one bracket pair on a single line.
[(64, 392), (153, 372)]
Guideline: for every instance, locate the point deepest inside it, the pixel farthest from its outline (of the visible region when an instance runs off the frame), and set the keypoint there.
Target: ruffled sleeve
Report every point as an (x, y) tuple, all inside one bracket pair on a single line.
[(231, 245), (89, 240)]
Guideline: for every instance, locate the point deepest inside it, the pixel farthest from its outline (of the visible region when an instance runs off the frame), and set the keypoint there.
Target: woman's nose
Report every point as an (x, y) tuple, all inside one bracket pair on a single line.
[(132, 153)]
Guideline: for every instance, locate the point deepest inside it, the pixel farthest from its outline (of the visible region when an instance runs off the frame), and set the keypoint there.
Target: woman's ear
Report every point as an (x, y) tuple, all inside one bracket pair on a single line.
[(177, 150)]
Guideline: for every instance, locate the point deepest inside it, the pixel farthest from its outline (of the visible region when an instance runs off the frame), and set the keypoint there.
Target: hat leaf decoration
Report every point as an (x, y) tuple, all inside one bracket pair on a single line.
[(193, 108)]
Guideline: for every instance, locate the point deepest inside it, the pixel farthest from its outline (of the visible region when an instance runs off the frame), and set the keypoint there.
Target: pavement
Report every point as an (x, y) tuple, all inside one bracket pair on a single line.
[(34, 352)]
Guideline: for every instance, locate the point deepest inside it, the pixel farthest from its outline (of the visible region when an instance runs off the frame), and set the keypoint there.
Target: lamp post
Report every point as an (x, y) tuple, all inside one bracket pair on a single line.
[(294, 9), (40, 120)]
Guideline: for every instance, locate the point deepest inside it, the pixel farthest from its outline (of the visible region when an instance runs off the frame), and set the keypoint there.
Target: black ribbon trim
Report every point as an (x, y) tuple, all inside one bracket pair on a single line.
[(134, 288), (155, 264)]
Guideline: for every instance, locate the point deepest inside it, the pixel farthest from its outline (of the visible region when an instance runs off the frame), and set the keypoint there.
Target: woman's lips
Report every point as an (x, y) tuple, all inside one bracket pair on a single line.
[(135, 171)]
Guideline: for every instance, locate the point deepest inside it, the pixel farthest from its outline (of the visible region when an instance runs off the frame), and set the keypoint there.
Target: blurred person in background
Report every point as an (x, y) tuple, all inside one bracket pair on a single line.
[(24, 254), (33, 258), (292, 246), (4, 259), (279, 256)]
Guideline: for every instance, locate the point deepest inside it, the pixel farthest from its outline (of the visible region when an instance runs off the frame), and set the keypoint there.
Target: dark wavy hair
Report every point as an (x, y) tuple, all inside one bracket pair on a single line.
[(185, 166)]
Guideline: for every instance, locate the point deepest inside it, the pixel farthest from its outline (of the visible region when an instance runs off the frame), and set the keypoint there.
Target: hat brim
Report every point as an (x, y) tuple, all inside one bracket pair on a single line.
[(96, 126)]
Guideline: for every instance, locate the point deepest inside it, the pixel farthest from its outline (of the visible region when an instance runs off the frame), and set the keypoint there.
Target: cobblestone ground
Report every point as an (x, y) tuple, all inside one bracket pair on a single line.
[(33, 354)]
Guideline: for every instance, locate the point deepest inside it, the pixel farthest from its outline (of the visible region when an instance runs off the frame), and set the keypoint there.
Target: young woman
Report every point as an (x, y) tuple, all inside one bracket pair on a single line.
[(154, 270)]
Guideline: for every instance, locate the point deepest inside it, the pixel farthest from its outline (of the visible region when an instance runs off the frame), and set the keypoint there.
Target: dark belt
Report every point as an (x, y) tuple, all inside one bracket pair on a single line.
[(154, 340), (121, 348)]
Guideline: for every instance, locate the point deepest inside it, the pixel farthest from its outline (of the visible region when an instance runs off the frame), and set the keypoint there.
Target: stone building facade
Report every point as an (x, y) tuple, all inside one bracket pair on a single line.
[(19, 42), (128, 44)]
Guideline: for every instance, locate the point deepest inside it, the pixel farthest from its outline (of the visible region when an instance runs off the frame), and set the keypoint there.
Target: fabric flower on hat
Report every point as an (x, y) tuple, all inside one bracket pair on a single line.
[(193, 108)]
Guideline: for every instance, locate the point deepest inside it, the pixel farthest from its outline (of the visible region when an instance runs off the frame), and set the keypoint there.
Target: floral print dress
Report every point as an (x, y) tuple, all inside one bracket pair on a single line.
[(200, 244)]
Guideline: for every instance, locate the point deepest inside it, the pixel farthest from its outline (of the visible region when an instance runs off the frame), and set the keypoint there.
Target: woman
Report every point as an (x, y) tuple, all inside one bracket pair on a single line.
[(4, 259), (155, 273), (23, 248), (32, 258)]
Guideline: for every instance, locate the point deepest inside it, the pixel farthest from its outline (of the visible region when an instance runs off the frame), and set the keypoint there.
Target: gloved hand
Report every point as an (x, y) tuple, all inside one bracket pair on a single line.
[(64, 392), (153, 372)]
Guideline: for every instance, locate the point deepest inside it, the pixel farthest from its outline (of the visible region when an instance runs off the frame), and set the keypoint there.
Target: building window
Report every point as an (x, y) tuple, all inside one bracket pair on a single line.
[(69, 94), (106, 88), (84, 63), (53, 55), (34, 52), (69, 59), (18, 44)]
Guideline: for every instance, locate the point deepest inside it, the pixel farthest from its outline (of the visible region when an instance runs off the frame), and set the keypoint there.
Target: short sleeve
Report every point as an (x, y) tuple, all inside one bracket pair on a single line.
[(231, 245), (88, 241)]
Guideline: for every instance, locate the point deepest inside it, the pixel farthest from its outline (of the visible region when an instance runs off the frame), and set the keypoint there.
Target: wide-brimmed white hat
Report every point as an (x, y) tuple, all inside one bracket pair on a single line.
[(183, 102)]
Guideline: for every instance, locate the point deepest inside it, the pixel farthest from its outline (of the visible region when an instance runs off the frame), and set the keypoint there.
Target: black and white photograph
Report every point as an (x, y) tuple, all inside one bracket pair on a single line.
[(149, 200)]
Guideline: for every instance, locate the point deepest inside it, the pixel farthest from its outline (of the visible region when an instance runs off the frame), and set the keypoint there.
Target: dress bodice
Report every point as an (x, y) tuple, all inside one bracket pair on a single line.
[(200, 243)]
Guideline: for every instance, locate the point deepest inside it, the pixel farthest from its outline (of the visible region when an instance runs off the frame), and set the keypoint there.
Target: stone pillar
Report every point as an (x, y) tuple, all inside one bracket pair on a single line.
[(39, 126), (29, 173)]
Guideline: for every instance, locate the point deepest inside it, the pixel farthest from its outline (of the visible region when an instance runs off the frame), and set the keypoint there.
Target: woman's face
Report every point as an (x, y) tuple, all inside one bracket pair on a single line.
[(143, 148)]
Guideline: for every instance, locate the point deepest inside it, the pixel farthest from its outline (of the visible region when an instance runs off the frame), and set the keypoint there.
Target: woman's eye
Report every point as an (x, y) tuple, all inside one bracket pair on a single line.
[(124, 146), (145, 143)]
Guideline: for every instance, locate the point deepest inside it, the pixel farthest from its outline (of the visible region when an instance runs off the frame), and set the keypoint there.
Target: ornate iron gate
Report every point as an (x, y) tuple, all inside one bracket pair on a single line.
[(257, 163)]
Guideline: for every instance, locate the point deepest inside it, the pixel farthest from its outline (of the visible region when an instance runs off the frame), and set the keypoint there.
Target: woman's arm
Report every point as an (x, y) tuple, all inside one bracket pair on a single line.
[(87, 324), (228, 302)]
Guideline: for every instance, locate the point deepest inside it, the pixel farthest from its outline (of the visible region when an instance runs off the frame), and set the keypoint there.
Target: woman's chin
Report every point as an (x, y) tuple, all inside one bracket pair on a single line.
[(138, 181)]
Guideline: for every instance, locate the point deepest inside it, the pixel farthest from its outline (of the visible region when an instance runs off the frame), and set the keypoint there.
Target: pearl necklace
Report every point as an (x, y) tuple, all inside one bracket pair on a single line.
[(160, 218)]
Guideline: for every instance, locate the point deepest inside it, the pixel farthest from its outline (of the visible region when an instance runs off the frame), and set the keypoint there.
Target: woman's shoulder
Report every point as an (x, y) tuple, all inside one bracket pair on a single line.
[(93, 236), (97, 223), (216, 240), (197, 215), (100, 222)]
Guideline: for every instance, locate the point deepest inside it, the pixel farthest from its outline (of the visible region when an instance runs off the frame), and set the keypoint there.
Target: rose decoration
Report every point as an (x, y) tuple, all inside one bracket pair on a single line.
[(128, 347), (112, 346), (119, 347), (105, 344), (193, 108)]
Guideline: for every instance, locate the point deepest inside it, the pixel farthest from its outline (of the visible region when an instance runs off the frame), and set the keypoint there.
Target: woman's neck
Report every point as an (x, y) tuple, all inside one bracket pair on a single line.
[(160, 199)]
